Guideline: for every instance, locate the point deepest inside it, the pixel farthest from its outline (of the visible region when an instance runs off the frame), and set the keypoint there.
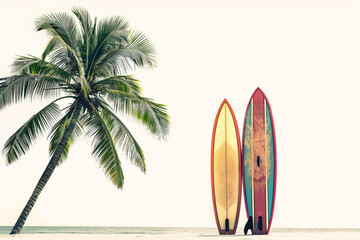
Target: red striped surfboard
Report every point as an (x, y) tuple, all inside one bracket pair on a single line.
[(259, 164), (226, 169)]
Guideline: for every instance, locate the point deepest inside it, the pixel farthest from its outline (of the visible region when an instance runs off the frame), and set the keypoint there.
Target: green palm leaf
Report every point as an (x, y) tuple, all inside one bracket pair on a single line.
[(59, 25), (153, 115), (114, 62), (31, 87), (126, 84), (141, 50), (65, 60), (99, 128), (33, 65), (63, 27), (125, 140), (22, 139), (122, 57), (57, 133), (124, 93), (53, 44), (87, 33), (85, 21), (109, 33)]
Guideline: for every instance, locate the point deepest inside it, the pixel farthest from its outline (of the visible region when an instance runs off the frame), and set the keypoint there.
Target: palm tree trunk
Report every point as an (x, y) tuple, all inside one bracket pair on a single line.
[(46, 175)]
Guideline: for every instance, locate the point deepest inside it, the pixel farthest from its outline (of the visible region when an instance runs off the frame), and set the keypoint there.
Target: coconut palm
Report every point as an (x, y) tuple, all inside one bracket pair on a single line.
[(84, 63)]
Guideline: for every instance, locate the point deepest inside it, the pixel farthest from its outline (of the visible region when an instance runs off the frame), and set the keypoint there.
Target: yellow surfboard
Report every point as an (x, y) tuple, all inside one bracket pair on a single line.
[(226, 169)]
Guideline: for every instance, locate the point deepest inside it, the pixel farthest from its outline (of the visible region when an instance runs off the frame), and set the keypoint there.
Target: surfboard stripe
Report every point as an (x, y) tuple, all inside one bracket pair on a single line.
[(259, 161), (251, 157), (266, 164), (247, 148)]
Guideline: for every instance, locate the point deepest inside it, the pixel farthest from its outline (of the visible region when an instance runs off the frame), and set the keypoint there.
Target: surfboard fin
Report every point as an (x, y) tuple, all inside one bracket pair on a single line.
[(227, 225), (259, 223), (248, 225)]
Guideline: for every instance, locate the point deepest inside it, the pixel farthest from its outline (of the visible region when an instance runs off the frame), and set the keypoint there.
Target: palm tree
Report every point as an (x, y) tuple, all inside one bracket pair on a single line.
[(85, 61)]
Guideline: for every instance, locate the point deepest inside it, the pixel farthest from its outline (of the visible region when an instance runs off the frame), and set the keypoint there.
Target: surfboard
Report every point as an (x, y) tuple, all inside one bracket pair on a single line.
[(226, 169), (259, 164)]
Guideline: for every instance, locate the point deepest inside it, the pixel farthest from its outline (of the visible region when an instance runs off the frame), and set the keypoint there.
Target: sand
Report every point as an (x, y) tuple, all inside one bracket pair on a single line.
[(199, 234)]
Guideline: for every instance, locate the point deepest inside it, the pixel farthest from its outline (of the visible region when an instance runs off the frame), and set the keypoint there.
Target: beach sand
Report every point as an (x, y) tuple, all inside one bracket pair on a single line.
[(193, 234)]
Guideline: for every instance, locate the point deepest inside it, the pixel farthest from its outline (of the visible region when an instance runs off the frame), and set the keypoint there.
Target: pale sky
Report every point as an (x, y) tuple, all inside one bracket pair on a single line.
[(305, 56)]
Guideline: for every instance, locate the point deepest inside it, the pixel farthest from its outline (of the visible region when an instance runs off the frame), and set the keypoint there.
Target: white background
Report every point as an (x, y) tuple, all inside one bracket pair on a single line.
[(303, 54)]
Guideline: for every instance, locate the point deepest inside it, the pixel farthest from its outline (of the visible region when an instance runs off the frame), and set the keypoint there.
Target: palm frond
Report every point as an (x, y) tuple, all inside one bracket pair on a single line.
[(23, 87), (87, 31), (125, 140), (122, 57), (58, 130), (115, 62), (63, 27), (141, 50), (152, 115), (85, 20), (59, 25), (26, 65), (52, 44), (99, 128), (22, 139), (65, 60), (122, 83), (109, 32)]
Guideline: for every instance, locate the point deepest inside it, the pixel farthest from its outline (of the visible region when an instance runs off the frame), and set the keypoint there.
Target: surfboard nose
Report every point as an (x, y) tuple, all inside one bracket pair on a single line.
[(259, 91)]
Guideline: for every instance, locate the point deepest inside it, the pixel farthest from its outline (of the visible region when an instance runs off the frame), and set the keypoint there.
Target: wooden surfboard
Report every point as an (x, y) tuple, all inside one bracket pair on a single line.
[(226, 169), (259, 164)]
